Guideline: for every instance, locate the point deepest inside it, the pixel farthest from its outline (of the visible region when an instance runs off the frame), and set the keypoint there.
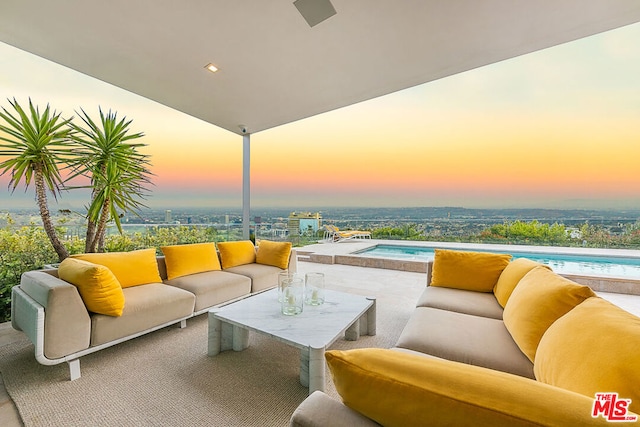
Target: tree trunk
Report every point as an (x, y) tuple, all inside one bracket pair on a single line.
[(93, 238), (91, 225), (102, 225), (91, 233), (101, 240), (41, 198)]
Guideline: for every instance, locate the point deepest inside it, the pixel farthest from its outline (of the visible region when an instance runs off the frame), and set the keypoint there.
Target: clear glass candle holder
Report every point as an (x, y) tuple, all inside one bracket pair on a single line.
[(314, 289), (282, 278), (292, 296)]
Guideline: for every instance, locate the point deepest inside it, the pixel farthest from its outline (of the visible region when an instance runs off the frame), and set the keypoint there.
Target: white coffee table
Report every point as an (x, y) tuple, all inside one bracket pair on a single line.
[(312, 331)]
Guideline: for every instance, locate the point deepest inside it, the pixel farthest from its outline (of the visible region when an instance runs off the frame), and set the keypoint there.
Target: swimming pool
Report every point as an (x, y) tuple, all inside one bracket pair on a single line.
[(587, 265)]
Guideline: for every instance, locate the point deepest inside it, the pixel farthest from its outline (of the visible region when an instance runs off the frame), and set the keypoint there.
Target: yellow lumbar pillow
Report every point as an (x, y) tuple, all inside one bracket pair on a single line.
[(130, 268), (401, 389), (182, 260), (473, 271), (541, 298), (233, 254), (98, 287), (592, 349), (274, 253), (512, 274)]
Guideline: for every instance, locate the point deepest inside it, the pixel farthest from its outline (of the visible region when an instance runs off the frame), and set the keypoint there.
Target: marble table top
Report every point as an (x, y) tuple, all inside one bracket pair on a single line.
[(317, 326)]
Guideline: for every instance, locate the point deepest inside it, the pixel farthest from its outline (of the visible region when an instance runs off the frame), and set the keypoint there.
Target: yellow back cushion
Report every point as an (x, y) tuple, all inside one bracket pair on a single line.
[(593, 348), (182, 260), (233, 254), (473, 271), (130, 268), (274, 253), (541, 298), (98, 287), (395, 388), (510, 277)]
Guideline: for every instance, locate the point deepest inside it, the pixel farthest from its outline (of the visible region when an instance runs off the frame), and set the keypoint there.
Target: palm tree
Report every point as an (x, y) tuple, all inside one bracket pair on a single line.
[(36, 145), (117, 170)]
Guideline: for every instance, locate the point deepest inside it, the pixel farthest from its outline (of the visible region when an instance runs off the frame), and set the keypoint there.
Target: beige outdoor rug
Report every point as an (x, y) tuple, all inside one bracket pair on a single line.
[(166, 378)]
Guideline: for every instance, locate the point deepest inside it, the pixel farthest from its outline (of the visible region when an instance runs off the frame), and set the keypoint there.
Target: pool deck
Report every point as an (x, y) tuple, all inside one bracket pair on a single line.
[(346, 253)]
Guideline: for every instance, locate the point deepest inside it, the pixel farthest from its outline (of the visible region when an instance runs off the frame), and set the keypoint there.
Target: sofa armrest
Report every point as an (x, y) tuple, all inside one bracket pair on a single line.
[(319, 410), (429, 272), (52, 314), (293, 261)]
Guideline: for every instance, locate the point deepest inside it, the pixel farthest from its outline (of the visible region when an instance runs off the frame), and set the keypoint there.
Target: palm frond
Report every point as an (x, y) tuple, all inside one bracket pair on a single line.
[(119, 172), (34, 140)]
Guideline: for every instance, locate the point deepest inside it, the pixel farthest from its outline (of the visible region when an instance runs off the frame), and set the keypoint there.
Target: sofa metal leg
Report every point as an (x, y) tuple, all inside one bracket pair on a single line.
[(183, 323), (74, 369)]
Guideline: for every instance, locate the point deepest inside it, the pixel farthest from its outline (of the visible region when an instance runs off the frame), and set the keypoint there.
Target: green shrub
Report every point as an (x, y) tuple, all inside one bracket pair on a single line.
[(163, 236), (533, 232), (405, 232), (22, 249)]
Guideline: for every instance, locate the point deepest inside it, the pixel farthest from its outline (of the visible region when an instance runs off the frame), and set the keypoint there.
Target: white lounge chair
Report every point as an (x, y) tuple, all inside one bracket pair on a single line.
[(333, 234)]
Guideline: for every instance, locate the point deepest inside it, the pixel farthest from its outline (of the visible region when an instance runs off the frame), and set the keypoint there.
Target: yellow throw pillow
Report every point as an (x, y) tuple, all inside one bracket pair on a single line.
[(541, 298), (98, 287), (594, 348), (274, 253), (130, 268), (510, 277), (395, 388), (472, 271), (233, 254), (182, 260)]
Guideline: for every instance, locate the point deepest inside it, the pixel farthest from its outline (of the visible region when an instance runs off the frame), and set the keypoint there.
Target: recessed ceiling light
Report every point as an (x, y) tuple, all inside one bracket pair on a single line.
[(211, 67)]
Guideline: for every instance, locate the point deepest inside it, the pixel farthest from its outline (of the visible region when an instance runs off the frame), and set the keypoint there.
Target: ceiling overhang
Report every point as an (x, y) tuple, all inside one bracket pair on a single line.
[(273, 67)]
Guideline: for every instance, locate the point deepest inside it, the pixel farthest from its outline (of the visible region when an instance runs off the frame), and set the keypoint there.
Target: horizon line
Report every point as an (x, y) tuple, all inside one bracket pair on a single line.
[(318, 208)]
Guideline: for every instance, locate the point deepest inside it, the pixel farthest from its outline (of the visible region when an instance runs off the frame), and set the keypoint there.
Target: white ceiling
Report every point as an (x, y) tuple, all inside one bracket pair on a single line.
[(274, 68)]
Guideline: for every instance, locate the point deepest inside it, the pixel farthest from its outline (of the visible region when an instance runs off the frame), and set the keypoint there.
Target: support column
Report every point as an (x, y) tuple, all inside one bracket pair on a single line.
[(246, 185), (240, 338), (316, 368), (214, 346), (371, 317)]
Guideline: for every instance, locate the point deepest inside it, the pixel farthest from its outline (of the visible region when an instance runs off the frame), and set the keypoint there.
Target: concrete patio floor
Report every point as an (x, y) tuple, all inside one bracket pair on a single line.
[(341, 275)]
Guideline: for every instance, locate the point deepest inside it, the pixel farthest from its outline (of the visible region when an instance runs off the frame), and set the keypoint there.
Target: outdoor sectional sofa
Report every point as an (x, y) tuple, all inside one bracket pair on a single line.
[(491, 342), (109, 298)]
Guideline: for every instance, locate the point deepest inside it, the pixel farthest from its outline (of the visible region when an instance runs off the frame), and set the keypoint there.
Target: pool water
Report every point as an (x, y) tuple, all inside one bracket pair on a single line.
[(566, 264)]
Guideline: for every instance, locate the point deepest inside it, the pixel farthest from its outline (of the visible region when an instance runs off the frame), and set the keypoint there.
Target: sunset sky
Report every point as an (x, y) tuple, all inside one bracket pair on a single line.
[(559, 128)]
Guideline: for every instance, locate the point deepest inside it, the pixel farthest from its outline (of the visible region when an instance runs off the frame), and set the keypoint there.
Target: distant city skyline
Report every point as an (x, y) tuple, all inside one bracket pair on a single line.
[(559, 128)]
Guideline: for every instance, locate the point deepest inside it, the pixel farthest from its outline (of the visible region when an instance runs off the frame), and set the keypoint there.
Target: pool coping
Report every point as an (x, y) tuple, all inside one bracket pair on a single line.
[(348, 253)]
